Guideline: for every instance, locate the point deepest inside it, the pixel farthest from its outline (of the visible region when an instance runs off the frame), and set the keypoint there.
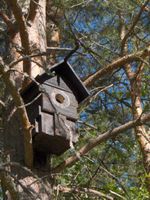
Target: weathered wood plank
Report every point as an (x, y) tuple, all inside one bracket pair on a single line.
[(46, 123), (51, 104), (57, 81)]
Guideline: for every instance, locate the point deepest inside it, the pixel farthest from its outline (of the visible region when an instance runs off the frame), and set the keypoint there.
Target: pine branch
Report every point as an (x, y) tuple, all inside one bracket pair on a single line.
[(98, 140), (135, 21), (7, 21), (116, 65), (82, 190)]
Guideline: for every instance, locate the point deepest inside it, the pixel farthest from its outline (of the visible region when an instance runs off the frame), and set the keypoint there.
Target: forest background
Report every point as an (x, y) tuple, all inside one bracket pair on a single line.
[(109, 41)]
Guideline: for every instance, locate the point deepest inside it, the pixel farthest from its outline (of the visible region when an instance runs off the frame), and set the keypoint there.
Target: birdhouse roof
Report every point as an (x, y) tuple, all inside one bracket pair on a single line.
[(69, 76)]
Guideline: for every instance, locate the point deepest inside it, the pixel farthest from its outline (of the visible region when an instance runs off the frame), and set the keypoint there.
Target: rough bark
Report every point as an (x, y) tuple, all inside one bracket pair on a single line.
[(141, 133), (22, 117), (135, 79), (27, 37)]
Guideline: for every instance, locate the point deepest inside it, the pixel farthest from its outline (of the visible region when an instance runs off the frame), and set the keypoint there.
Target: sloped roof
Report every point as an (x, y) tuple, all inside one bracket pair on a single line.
[(67, 73)]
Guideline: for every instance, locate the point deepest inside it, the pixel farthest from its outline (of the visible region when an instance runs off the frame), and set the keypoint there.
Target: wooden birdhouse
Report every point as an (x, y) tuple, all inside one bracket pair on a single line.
[(52, 102)]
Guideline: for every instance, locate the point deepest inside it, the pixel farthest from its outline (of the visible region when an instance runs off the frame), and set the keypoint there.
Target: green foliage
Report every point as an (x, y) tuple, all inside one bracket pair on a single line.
[(117, 164), (114, 167)]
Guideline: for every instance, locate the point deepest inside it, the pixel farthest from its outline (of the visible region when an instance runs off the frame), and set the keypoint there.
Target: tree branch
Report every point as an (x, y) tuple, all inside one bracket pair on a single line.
[(120, 100), (9, 186), (2, 103), (23, 33), (118, 181), (82, 190), (50, 49), (98, 140), (116, 64), (34, 4), (7, 21), (72, 51), (22, 112), (135, 21)]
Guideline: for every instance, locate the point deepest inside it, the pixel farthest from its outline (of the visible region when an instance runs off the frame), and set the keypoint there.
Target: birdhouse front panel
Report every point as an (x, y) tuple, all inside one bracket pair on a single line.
[(52, 108), (60, 101)]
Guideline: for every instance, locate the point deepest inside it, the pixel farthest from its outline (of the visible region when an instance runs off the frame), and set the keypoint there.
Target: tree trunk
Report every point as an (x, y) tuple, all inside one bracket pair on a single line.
[(29, 38), (140, 131), (135, 91)]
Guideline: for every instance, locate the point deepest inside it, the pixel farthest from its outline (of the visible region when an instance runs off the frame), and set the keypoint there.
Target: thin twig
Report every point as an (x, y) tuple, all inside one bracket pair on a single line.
[(82, 190), (7, 21), (135, 21)]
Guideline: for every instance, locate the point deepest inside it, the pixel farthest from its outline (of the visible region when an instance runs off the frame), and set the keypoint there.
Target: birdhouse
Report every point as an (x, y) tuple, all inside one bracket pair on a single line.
[(51, 102)]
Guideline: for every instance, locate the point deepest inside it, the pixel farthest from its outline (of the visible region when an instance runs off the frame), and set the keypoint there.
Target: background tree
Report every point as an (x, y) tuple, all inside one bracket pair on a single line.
[(110, 41)]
